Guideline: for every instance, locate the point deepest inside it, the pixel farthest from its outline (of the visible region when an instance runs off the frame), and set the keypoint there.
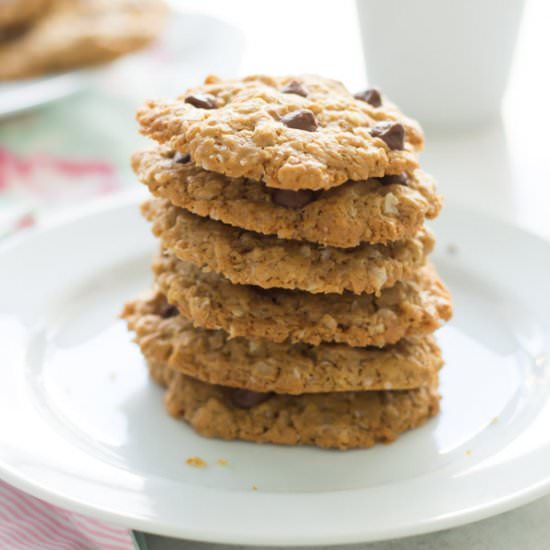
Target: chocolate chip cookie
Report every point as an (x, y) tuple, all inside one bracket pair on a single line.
[(378, 210), (302, 132), (262, 366), (339, 420), (410, 308), (245, 257)]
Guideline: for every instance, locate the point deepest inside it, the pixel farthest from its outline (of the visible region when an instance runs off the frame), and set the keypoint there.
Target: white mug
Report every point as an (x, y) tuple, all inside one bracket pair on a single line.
[(444, 62)]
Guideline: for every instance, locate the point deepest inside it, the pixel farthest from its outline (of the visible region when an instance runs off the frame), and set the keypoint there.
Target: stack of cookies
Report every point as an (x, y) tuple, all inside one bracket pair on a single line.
[(293, 300), (44, 36)]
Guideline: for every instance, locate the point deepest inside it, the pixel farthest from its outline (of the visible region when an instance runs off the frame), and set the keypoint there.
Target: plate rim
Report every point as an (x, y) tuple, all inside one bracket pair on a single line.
[(450, 521)]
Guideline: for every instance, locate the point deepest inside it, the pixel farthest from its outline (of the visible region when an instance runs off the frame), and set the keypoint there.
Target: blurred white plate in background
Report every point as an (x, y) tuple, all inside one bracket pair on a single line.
[(22, 95), (192, 46), (82, 426)]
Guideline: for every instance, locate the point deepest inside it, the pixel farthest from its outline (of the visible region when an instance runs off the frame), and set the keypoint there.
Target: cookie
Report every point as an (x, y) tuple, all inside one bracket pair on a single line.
[(410, 308), (245, 257), (78, 33), (15, 14), (263, 129), (375, 211), (342, 420), (262, 366)]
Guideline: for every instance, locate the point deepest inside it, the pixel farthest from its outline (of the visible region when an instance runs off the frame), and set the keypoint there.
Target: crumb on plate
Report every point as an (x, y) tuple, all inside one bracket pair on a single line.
[(196, 462)]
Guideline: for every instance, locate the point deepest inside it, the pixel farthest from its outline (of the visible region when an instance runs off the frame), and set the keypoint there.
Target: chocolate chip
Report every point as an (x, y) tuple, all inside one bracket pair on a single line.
[(292, 199), (294, 87), (400, 179), (180, 158), (168, 311), (300, 120), (202, 101), (372, 96), (246, 399), (391, 133)]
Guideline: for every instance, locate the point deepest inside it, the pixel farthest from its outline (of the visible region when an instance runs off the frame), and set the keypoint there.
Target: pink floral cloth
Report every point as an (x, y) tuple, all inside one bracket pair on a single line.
[(33, 186)]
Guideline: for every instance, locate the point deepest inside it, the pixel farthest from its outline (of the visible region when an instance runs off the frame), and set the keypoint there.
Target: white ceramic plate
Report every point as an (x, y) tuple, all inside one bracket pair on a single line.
[(190, 43), (22, 95), (83, 427)]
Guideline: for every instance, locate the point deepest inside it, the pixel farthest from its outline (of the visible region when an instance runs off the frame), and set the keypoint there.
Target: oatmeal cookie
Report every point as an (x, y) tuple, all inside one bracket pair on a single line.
[(376, 211), (410, 308), (262, 366), (261, 128), (78, 33), (344, 420), (245, 257)]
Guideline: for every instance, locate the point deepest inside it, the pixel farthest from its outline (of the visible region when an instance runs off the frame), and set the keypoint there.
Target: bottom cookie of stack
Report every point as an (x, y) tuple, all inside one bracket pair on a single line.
[(337, 420)]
